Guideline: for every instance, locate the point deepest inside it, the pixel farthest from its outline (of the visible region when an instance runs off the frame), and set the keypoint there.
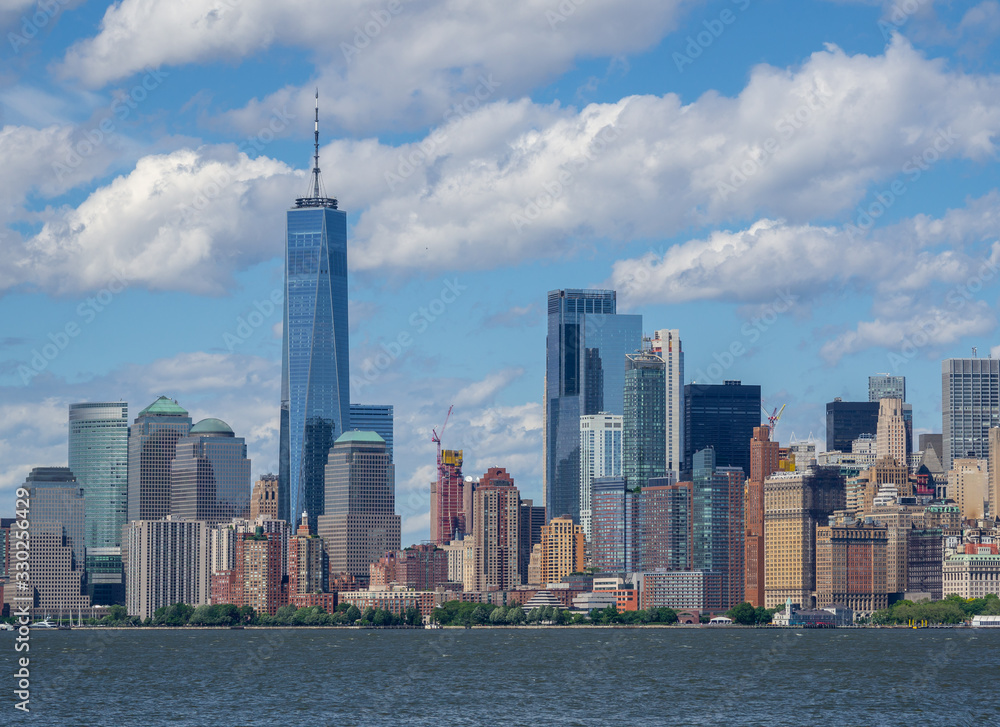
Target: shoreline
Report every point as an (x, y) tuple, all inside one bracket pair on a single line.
[(730, 627)]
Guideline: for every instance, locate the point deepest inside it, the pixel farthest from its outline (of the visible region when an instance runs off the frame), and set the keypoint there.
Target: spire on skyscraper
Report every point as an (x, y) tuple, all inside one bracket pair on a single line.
[(318, 198)]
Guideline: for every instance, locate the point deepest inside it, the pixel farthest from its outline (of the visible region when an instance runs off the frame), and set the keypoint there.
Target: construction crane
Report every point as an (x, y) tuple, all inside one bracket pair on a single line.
[(436, 438), (773, 417)]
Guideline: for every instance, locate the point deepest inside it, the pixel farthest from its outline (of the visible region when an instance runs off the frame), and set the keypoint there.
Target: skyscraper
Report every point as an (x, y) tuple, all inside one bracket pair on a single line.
[(152, 445), (970, 406), (562, 549), (667, 345), (210, 474), (847, 420), (449, 519), (600, 456), (890, 436), (264, 497), (98, 458), (57, 552), (721, 416), (169, 561), (315, 366), (615, 525), (376, 418), (717, 523), (644, 422), (360, 524), (764, 458), (584, 374), (496, 533), (665, 525), (886, 386)]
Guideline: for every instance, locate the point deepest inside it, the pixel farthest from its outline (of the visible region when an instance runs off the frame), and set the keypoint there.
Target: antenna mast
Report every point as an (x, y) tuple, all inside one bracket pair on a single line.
[(317, 199), (316, 155)]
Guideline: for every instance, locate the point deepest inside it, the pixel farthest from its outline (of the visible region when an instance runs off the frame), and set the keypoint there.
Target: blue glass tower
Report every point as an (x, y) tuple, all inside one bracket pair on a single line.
[(584, 374), (315, 376)]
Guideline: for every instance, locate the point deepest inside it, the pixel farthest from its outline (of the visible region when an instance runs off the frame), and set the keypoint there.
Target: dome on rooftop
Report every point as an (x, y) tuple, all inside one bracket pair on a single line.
[(213, 426)]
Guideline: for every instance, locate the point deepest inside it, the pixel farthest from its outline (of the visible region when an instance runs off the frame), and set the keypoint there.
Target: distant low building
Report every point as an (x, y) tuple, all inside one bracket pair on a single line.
[(694, 589)]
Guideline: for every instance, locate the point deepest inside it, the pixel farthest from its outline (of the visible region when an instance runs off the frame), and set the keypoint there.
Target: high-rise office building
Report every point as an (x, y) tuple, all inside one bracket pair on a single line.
[(665, 525), (851, 565), (970, 406), (360, 524), (584, 374), (210, 474), (167, 562), (848, 420), (723, 417), (644, 422), (152, 446), (57, 552), (717, 512), (667, 345), (562, 549), (764, 462), (376, 418), (264, 497), (890, 434), (315, 362), (98, 457), (794, 504), (496, 532), (994, 468), (449, 518), (886, 386), (600, 456), (968, 485)]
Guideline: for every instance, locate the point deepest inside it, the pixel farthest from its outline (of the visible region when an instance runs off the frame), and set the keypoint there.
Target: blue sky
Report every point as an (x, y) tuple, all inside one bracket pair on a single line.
[(812, 185)]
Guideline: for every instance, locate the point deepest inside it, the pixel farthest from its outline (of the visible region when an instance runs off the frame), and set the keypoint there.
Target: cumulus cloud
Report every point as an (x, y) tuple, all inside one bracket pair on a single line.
[(383, 64)]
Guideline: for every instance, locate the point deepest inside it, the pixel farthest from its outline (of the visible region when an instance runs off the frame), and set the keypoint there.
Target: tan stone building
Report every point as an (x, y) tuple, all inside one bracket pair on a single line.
[(968, 485), (562, 549), (264, 498), (994, 493), (794, 504), (890, 436), (496, 526), (851, 565)]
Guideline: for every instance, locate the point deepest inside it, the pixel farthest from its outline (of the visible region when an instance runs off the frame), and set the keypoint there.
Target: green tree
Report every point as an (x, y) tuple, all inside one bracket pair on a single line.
[(479, 616), (247, 615), (352, 614), (498, 616), (515, 615), (743, 613), (176, 614)]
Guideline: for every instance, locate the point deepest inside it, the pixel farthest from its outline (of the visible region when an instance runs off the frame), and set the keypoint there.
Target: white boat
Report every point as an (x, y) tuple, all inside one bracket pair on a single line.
[(43, 624), (6, 627), (988, 622)]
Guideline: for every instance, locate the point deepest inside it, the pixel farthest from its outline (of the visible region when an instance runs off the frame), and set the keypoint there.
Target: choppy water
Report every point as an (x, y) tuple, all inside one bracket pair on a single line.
[(507, 677)]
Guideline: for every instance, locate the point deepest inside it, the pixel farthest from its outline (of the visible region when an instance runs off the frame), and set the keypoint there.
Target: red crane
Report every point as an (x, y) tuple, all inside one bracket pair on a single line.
[(773, 417)]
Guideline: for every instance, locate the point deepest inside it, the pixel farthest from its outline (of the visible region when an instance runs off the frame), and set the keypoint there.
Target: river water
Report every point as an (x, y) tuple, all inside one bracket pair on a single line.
[(557, 676)]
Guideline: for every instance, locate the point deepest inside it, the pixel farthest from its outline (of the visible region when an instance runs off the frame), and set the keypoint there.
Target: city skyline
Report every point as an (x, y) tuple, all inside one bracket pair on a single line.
[(771, 311)]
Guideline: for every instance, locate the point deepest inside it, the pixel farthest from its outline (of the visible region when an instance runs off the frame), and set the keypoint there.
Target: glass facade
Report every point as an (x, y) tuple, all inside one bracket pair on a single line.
[(717, 516), (210, 475), (645, 419), (970, 406), (848, 420), (315, 375), (884, 386), (721, 416), (98, 458), (585, 352), (374, 418)]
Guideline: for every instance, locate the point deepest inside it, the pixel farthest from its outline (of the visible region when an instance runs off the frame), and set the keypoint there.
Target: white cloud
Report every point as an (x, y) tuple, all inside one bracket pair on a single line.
[(484, 391), (377, 66)]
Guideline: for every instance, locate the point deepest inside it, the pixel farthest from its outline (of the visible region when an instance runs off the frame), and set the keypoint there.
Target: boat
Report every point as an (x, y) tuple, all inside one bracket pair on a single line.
[(43, 624), (6, 627)]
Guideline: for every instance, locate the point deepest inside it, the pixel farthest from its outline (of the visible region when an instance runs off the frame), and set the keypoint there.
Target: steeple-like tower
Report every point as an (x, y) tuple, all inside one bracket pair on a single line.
[(318, 198), (315, 374)]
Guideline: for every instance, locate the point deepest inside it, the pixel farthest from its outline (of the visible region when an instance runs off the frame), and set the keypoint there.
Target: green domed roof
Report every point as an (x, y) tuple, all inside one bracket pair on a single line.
[(212, 426), (164, 406), (360, 437)]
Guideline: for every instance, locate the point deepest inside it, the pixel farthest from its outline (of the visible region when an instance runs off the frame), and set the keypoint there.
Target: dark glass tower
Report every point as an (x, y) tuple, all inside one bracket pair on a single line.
[(584, 374), (847, 420), (721, 416), (644, 427), (315, 375)]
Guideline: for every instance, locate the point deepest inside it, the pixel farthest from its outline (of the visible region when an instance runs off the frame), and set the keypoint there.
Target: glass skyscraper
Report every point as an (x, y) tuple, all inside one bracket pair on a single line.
[(374, 418), (721, 416), (152, 445), (584, 374), (645, 420), (210, 474), (970, 406), (98, 458), (315, 368)]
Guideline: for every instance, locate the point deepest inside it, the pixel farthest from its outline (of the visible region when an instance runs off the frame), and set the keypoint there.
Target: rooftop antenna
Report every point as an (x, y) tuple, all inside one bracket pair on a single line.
[(316, 155), (974, 352), (318, 199)]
